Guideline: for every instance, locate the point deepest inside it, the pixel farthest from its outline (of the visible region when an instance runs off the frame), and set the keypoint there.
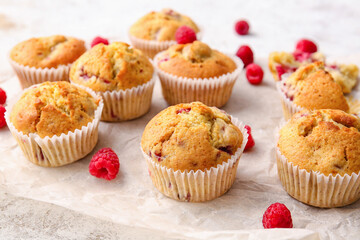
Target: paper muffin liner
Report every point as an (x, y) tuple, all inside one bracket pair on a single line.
[(29, 76), (197, 186), (210, 91), (314, 188), (127, 104), (289, 108), (58, 150), (152, 47)]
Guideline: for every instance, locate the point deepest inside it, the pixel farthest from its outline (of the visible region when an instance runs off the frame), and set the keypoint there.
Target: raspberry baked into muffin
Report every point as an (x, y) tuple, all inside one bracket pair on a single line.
[(45, 59), (195, 72), (318, 157), (311, 87), (283, 62), (155, 31), (122, 75), (55, 123), (192, 151)]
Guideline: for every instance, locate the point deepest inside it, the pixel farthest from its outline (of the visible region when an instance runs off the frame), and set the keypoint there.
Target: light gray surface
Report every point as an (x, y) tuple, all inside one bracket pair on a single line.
[(22, 218)]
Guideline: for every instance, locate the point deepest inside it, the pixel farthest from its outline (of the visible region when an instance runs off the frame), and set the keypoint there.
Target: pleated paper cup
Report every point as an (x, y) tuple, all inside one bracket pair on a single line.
[(289, 108), (210, 91), (58, 150), (197, 186), (29, 76), (316, 189), (127, 104), (152, 47)]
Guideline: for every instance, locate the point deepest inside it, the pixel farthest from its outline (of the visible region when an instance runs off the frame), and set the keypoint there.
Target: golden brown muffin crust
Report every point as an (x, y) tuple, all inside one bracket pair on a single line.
[(327, 141), (112, 67), (53, 108), (48, 52), (344, 75), (190, 137), (314, 88), (195, 60), (161, 26)]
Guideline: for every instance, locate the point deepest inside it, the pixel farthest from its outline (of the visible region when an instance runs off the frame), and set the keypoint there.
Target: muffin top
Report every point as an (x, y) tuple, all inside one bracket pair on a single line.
[(311, 87), (191, 137), (48, 52), (326, 140), (112, 67), (161, 26), (195, 60), (53, 108)]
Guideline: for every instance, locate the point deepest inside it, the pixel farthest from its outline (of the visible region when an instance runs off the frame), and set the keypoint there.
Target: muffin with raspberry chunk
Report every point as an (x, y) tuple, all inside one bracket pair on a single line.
[(311, 87), (190, 147), (55, 123), (155, 31), (318, 157), (346, 75), (45, 59), (121, 74), (195, 72)]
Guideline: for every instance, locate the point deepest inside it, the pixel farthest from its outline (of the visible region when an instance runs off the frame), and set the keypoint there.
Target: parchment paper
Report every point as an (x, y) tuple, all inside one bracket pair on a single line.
[(132, 199)]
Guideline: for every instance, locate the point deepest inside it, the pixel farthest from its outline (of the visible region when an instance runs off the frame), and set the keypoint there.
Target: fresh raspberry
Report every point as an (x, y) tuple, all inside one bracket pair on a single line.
[(245, 54), (185, 34), (250, 143), (2, 96), (104, 164), (277, 215), (305, 45), (98, 40), (254, 74), (2, 116), (242, 27)]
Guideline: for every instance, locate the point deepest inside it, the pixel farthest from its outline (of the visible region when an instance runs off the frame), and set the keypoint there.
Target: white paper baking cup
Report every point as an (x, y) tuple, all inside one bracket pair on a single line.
[(314, 188), (58, 150), (210, 91), (288, 106), (29, 76), (127, 104), (197, 186), (152, 47)]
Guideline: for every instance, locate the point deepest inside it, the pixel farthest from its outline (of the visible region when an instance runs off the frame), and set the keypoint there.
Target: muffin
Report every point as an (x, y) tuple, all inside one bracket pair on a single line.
[(192, 151), (318, 157), (195, 72), (155, 31), (310, 87), (122, 75), (55, 123), (44, 59), (282, 62)]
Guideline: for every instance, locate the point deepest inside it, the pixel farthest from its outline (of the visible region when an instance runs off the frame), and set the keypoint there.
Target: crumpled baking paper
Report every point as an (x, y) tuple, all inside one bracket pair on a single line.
[(131, 199)]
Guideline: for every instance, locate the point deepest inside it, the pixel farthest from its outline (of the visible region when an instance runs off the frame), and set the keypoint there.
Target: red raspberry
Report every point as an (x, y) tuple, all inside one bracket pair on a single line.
[(245, 54), (305, 45), (250, 143), (185, 34), (2, 96), (104, 164), (277, 215), (2, 116), (98, 40), (242, 27), (254, 74)]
